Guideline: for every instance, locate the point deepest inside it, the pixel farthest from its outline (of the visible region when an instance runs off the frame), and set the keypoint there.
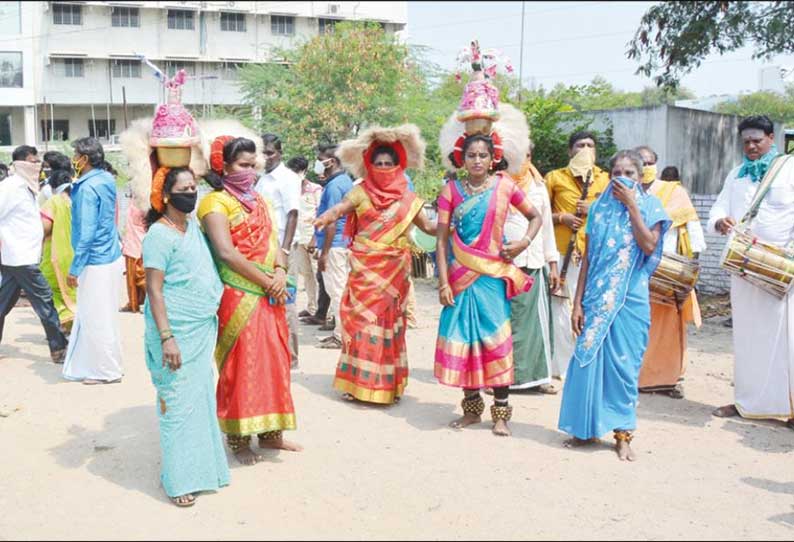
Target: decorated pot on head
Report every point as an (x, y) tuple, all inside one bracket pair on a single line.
[(174, 130), (479, 112)]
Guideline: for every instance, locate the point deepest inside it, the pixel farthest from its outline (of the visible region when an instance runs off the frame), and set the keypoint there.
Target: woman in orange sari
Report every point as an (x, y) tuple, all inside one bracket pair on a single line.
[(373, 366), (252, 353)]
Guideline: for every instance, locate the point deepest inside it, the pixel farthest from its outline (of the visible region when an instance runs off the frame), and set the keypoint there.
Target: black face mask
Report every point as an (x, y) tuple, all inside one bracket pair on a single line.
[(183, 201)]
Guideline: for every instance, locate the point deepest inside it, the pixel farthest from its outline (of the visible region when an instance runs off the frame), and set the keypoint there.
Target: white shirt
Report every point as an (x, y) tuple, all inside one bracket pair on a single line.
[(543, 248), (282, 187), (774, 222), (696, 238), (21, 231)]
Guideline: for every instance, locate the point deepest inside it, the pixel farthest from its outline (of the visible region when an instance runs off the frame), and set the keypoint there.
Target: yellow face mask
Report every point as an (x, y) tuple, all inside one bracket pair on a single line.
[(648, 174), (582, 162)]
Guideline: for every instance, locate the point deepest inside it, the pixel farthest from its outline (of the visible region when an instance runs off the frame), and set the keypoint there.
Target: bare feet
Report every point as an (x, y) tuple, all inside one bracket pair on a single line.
[(246, 456), (727, 411), (574, 442), (625, 453), (348, 397), (183, 501), (548, 389), (500, 429), (465, 421), (280, 444)]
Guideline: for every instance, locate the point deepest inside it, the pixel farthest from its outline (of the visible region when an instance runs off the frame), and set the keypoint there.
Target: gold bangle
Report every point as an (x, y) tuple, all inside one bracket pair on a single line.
[(444, 287), (164, 332)]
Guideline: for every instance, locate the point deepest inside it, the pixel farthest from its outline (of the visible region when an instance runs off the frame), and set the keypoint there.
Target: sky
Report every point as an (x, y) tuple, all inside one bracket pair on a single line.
[(572, 42)]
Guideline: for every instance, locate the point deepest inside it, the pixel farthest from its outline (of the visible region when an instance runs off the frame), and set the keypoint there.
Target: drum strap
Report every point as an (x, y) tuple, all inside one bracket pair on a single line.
[(766, 183)]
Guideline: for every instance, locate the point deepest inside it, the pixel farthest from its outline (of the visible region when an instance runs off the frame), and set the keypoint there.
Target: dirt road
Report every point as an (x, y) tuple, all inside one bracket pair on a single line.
[(82, 462)]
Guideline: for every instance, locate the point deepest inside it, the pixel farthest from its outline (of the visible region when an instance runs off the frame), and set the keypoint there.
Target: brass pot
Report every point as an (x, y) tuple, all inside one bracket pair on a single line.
[(173, 156)]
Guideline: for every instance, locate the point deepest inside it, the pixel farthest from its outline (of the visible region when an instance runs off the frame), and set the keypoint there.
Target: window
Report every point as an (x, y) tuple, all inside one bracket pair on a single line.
[(173, 66), (180, 19), (327, 25), (125, 17), (73, 67), (67, 14), (101, 128), (282, 25), (11, 15), (233, 22), (55, 130), (10, 70), (123, 68)]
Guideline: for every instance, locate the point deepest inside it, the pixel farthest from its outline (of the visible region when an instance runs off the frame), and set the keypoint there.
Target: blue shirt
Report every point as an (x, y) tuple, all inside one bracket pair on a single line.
[(411, 187), (95, 238), (334, 192)]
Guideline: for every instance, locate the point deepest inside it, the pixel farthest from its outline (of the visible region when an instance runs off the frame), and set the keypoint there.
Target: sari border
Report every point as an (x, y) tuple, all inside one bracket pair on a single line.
[(234, 327), (258, 424)]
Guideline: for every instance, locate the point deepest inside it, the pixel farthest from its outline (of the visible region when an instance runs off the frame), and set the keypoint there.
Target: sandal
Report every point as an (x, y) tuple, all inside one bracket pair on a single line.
[(331, 344), (727, 411), (58, 356), (348, 397), (191, 500)]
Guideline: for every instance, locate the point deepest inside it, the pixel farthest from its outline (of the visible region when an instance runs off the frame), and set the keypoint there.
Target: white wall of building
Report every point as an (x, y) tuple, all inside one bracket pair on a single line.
[(44, 45)]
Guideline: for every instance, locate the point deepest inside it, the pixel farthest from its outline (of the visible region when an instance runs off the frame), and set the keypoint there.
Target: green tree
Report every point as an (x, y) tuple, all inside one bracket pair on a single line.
[(601, 94), (675, 37), (331, 86), (776, 106)]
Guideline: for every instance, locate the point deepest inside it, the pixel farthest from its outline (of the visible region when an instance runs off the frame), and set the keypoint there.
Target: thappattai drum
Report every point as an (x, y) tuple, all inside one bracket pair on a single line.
[(769, 267), (673, 279)]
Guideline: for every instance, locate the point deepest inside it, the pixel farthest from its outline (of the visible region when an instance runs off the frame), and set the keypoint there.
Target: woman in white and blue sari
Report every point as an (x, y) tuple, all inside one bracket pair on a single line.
[(611, 313)]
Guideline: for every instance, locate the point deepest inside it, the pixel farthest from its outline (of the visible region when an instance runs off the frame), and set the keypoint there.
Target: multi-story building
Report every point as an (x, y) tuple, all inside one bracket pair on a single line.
[(67, 68)]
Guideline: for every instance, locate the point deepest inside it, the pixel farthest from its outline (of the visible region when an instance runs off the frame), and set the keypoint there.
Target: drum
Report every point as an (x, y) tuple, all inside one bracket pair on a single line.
[(673, 279), (422, 241), (769, 267)]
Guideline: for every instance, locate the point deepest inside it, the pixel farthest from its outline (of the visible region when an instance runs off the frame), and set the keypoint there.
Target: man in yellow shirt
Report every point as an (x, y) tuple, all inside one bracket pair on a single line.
[(569, 214)]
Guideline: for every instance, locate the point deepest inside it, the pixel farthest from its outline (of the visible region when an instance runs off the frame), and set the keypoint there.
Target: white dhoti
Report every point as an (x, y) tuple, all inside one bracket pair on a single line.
[(561, 308), (94, 350), (763, 346)]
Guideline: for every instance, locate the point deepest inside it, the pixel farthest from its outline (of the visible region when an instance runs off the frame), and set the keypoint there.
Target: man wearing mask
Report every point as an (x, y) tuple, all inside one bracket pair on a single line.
[(301, 261), (333, 261), (94, 354), (282, 188), (21, 236), (763, 324), (569, 209), (664, 363)]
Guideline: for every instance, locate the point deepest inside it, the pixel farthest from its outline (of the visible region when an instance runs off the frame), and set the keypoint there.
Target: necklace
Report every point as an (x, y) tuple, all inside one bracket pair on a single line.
[(474, 190), (174, 225)]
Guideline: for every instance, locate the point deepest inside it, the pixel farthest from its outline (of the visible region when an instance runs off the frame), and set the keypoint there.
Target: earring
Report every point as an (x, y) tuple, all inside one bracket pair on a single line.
[(165, 200)]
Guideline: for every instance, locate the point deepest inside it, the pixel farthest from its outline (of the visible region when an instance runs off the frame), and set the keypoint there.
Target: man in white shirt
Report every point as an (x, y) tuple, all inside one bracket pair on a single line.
[(763, 325), (531, 312), (304, 245), (282, 188), (21, 235)]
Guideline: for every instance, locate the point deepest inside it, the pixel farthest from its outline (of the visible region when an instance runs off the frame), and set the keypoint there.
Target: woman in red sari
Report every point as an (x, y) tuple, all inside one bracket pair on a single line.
[(373, 366), (252, 353)]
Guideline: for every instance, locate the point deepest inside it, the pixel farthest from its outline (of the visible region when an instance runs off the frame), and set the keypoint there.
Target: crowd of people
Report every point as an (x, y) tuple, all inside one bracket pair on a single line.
[(541, 280)]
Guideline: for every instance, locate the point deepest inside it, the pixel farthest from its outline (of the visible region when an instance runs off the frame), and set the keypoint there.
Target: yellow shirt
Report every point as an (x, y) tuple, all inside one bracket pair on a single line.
[(564, 192)]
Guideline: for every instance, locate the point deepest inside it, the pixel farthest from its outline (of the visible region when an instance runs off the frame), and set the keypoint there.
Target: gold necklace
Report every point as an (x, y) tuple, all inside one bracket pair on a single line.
[(472, 191)]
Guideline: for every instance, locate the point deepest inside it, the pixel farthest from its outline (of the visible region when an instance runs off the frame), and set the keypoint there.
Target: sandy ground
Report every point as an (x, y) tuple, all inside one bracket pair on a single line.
[(82, 462)]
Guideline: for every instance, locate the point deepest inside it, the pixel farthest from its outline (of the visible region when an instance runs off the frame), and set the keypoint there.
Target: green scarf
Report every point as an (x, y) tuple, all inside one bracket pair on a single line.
[(755, 169)]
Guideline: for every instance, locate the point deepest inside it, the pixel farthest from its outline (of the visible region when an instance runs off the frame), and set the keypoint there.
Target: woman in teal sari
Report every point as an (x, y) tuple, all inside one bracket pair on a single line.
[(476, 281), (184, 292), (611, 314)]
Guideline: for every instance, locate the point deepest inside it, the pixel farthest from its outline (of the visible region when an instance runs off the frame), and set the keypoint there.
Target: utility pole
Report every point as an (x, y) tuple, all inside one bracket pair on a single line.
[(521, 54)]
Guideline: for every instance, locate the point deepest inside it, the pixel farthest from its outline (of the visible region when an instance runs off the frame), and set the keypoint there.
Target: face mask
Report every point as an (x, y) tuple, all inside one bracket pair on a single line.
[(648, 174), (582, 162), (184, 201), (625, 180), (78, 169), (319, 167)]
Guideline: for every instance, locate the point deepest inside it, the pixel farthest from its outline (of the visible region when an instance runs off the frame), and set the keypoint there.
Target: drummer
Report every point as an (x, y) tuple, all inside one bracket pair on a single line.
[(664, 363), (763, 325), (373, 366)]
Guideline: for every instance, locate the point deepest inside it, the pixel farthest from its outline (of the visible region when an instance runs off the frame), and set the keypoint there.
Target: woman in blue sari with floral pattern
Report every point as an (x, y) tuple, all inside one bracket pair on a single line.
[(611, 313)]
